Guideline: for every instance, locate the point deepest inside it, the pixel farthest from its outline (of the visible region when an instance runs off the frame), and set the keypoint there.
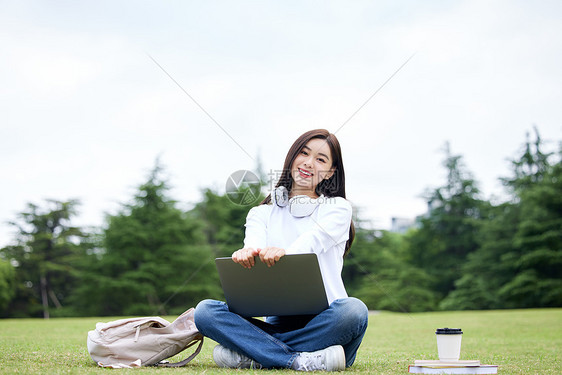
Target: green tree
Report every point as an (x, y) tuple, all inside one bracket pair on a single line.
[(536, 257), (378, 272), (7, 285), (450, 231), (45, 255), (223, 222), (529, 168), (155, 259), (519, 259), (487, 269)]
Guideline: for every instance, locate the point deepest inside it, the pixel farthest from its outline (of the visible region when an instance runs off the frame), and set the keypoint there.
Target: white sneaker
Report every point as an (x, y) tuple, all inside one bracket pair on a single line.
[(329, 359), (230, 359)]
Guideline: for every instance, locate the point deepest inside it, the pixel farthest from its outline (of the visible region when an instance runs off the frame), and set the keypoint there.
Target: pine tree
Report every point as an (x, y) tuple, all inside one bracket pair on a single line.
[(449, 233), (45, 253), (536, 257), (378, 272), (519, 259), (7, 285), (155, 259)]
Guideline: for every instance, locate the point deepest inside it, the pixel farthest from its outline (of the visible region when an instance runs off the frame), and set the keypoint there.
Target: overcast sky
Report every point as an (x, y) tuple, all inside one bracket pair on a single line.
[(85, 111)]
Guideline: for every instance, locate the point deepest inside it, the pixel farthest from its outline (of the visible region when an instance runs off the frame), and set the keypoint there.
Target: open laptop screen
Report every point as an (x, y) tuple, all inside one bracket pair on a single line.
[(293, 286)]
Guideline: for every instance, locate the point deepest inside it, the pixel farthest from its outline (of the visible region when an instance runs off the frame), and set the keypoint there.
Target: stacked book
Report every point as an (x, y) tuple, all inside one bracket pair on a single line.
[(451, 367)]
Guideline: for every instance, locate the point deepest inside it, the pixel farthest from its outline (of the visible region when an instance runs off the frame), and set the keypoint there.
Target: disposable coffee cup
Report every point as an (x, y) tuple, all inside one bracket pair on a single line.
[(449, 343)]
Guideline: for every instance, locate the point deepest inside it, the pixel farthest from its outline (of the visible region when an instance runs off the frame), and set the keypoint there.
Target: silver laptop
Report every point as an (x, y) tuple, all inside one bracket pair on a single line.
[(293, 286)]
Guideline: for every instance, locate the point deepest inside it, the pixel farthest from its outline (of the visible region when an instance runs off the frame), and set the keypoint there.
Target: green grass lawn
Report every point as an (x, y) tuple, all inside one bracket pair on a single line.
[(519, 341)]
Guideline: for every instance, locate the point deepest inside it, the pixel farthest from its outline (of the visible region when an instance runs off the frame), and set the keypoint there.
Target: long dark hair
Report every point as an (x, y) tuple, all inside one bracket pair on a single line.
[(330, 187)]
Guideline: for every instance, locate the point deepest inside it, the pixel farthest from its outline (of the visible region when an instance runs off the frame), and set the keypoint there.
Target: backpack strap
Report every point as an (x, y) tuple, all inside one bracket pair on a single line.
[(185, 361)]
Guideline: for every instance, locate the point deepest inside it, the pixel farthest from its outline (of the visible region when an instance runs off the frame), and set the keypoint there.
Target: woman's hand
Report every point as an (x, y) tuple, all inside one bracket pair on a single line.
[(270, 255), (245, 257)]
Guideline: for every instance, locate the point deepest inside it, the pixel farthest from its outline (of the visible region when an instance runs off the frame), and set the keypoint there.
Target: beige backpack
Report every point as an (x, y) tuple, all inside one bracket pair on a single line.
[(136, 342)]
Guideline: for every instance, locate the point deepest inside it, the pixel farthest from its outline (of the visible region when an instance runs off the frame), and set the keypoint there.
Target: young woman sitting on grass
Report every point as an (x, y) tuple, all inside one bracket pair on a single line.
[(318, 220)]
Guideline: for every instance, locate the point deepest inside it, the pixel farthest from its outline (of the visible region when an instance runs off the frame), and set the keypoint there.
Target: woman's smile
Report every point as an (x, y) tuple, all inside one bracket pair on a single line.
[(304, 173)]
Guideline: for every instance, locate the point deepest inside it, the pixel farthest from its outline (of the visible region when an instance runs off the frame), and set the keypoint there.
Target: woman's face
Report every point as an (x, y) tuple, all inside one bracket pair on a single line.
[(312, 165)]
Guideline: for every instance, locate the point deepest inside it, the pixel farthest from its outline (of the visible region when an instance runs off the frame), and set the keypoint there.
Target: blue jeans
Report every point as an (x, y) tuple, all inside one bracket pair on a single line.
[(276, 342)]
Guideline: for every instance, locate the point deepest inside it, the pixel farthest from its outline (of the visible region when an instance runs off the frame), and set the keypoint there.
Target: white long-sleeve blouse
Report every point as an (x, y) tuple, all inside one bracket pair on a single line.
[(324, 232)]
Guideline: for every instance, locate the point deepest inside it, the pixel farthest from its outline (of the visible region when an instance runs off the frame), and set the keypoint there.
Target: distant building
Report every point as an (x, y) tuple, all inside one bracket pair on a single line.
[(402, 225)]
